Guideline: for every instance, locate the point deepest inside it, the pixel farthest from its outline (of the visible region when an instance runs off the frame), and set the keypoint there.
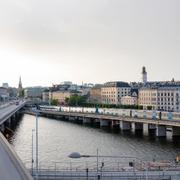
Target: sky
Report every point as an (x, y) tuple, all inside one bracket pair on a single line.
[(91, 41)]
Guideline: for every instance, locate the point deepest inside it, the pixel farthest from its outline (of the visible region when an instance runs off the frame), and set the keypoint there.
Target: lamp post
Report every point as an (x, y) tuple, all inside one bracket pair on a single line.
[(36, 112), (32, 161), (36, 144)]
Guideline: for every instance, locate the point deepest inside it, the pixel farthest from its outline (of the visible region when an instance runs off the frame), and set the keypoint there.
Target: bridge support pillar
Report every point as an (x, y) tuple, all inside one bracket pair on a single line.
[(71, 118), (151, 126), (160, 130), (2, 127), (104, 123), (137, 127), (9, 120), (152, 129), (175, 131), (86, 121), (145, 129), (13, 117), (115, 124), (125, 125), (96, 122)]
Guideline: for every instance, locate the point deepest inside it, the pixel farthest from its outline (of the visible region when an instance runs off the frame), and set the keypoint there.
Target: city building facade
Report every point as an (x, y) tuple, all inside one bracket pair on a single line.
[(33, 92), (46, 96), (4, 94), (61, 96), (148, 97), (129, 100), (112, 92), (164, 98), (95, 94)]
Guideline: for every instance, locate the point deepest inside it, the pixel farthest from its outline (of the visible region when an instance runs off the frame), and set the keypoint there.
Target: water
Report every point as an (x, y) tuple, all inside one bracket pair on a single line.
[(57, 139)]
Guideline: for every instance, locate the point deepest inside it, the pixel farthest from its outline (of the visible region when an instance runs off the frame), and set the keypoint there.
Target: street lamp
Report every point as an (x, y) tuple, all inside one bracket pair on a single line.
[(36, 144), (36, 112), (32, 155), (76, 155)]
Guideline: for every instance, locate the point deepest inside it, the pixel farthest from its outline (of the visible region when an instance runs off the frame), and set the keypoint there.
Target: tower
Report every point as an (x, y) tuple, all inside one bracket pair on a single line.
[(20, 88), (144, 75)]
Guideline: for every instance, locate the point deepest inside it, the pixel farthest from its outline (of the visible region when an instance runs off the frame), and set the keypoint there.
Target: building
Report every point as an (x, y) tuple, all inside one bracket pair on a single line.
[(33, 92), (144, 75), (148, 97), (95, 94), (46, 96), (112, 92), (61, 96), (129, 100), (66, 83), (5, 85), (168, 98), (4, 95), (164, 97)]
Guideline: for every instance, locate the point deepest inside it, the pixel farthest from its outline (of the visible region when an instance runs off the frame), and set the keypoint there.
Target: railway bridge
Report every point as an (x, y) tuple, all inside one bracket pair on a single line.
[(159, 126)]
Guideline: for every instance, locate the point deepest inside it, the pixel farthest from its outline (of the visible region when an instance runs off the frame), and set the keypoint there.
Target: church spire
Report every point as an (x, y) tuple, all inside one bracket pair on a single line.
[(20, 83), (20, 88)]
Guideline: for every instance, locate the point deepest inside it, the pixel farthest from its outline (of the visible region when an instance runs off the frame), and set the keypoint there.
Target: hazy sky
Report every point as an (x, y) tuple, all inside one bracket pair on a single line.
[(50, 41)]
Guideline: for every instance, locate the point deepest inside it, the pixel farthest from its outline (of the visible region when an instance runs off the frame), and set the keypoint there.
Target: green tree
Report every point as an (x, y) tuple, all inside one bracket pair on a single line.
[(54, 102), (76, 100)]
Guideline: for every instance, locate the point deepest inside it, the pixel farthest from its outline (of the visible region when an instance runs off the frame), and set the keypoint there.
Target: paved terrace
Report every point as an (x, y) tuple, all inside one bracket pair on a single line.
[(11, 167)]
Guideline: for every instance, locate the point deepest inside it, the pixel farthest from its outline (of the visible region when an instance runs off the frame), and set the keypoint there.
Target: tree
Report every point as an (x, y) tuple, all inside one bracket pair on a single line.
[(76, 100), (54, 102), (67, 100)]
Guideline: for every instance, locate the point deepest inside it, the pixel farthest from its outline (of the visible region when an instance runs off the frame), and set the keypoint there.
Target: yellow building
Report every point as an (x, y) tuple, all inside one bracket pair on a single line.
[(95, 95), (61, 96), (148, 97)]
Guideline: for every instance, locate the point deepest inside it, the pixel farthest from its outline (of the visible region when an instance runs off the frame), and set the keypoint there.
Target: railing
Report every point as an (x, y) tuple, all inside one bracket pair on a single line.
[(107, 169)]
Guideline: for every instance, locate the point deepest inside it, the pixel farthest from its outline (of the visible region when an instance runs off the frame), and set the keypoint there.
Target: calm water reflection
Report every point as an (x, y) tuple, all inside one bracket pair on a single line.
[(57, 139)]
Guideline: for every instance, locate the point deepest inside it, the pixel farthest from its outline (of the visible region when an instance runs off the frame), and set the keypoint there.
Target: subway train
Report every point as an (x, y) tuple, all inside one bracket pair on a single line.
[(146, 114)]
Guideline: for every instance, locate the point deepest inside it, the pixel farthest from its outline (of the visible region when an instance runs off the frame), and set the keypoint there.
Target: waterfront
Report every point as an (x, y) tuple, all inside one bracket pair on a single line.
[(57, 139)]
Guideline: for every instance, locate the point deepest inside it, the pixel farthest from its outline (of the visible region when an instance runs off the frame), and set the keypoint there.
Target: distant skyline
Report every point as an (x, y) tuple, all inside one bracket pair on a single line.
[(91, 41)]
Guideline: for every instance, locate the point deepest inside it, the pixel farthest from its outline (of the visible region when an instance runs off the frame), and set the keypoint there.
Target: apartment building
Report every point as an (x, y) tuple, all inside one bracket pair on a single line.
[(112, 92), (61, 95), (168, 98), (95, 94), (148, 97), (165, 98)]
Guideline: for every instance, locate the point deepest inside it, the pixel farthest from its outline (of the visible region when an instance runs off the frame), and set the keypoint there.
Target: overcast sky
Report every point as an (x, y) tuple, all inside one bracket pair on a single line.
[(50, 41)]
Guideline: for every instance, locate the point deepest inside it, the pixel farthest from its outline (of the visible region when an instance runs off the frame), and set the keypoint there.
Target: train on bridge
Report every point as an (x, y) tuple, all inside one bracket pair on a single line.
[(145, 114)]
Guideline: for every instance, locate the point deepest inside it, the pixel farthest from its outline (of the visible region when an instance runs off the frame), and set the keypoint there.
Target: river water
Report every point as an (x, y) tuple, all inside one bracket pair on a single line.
[(57, 139)]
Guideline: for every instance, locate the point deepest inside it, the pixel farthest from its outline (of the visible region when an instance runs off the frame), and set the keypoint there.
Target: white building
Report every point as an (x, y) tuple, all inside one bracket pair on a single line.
[(129, 100), (4, 95), (166, 98), (33, 92), (112, 92), (5, 85)]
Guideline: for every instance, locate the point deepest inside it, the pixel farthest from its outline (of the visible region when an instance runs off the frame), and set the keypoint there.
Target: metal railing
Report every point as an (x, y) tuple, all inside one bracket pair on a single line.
[(107, 169)]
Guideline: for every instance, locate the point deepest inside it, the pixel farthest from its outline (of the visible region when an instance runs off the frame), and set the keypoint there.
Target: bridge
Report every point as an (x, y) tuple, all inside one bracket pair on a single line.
[(114, 121), (11, 167)]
